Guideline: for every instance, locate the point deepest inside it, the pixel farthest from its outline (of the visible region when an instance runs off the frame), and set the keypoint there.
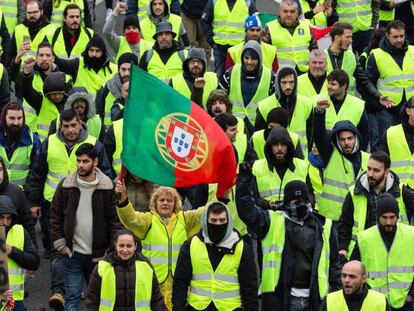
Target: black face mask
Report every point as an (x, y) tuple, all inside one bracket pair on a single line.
[(298, 210), (216, 233)]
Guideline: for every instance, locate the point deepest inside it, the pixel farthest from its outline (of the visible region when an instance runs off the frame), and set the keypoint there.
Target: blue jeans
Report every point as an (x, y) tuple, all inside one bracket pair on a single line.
[(386, 119), (19, 306), (299, 303), (77, 271), (374, 137), (220, 54)]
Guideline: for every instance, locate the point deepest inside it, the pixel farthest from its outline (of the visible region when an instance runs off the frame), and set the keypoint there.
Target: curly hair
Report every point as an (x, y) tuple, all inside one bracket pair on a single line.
[(218, 95), (170, 192)]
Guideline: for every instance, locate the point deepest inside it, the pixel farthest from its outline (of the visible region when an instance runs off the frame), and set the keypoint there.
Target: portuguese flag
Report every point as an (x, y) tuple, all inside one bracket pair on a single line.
[(171, 141)]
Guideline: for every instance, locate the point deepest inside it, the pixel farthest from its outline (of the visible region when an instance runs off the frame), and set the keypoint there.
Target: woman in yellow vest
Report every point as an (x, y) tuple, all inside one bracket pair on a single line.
[(123, 279), (162, 231)]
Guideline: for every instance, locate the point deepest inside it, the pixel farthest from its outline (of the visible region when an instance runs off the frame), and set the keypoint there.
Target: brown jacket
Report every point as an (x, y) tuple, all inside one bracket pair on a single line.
[(63, 214), (125, 285)]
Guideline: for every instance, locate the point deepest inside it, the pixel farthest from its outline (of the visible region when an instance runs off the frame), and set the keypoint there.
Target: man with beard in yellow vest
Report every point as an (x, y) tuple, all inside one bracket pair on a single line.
[(300, 260), (387, 253)]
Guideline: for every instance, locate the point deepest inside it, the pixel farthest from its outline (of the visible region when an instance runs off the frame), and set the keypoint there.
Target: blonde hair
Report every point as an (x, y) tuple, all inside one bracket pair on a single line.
[(170, 192)]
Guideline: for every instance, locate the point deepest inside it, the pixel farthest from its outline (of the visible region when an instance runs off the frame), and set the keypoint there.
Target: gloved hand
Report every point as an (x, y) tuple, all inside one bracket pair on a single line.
[(245, 171)]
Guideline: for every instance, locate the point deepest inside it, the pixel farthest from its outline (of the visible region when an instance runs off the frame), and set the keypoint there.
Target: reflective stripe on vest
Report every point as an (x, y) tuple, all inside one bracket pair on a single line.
[(21, 31), (303, 109), (402, 160), (181, 86), (268, 54), (259, 142), (148, 27), (394, 81), (220, 286), (351, 109), (390, 14), (15, 238), (320, 19), (360, 203), (338, 176), (305, 86), (137, 49), (162, 248), (58, 8), (292, 50), (389, 272), (48, 112), (162, 71), (268, 182), (348, 65), (109, 101), (356, 12), (272, 248), (228, 26), (374, 301), (60, 49), (92, 81), (116, 158), (30, 114), (10, 13), (236, 95), (143, 286), (19, 164), (60, 163)]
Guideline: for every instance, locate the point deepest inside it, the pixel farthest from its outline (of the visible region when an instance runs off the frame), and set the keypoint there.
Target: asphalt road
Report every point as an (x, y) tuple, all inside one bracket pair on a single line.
[(39, 286)]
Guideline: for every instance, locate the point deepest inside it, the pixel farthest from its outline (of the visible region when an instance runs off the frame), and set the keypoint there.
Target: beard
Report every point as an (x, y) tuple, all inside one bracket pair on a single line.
[(13, 133), (375, 182)]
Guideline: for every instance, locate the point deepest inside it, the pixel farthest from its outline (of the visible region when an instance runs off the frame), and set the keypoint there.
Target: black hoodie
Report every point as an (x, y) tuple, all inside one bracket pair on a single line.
[(17, 196), (28, 257)]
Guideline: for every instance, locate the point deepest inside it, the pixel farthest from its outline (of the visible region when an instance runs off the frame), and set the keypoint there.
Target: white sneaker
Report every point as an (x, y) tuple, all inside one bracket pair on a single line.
[(108, 14)]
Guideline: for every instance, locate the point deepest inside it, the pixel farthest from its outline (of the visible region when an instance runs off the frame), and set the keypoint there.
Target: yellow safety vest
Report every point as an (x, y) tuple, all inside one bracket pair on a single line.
[(273, 245), (241, 146), (402, 160), (303, 109), (48, 112), (1, 39), (389, 272), (109, 101), (357, 13), (180, 85), (320, 19), (305, 87), (148, 27), (10, 12), (143, 286), (116, 158), (360, 214), (163, 249), (394, 81), (58, 8), (348, 65), (352, 110), (92, 81), (143, 8), (390, 15), (19, 164), (137, 49), (338, 176), (236, 95), (15, 238), (220, 286), (228, 26), (374, 301), (45, 32), (259, 142), (166, 71), (292, 50), (59, 48), (60, 163), (268, 54), (316, 181), (269, 184)]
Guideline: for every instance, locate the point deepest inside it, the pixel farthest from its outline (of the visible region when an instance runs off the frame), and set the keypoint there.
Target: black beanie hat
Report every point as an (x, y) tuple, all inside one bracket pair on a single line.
[(278, 115), (295, 190), (387, 204), (127, 58), (131, 20), (96, 41)]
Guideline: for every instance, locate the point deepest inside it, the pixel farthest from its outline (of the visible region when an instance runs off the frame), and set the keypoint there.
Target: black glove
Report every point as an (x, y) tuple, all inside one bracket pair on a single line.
[(245, 171)]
